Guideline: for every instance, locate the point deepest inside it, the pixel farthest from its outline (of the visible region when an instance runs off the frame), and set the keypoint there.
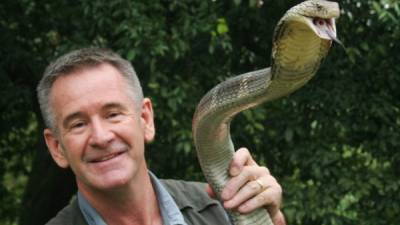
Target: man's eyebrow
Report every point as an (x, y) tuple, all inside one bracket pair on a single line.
[(71, 117), (113, 105)]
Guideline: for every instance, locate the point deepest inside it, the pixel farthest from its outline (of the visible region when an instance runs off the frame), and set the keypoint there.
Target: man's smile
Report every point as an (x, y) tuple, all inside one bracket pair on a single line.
[(106, 157)]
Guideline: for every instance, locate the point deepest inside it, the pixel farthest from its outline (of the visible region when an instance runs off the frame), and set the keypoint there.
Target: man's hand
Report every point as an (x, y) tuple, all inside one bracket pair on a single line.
[(251, 187)]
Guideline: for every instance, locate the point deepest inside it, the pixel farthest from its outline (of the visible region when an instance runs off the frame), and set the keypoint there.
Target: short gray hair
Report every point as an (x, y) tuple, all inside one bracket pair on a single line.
[(79, 60)]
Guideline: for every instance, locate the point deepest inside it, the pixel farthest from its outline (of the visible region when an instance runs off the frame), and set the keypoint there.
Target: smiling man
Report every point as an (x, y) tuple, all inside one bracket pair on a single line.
[(98, 123)]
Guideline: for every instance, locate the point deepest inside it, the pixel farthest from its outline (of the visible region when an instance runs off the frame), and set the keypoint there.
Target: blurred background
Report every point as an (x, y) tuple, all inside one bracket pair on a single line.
[(333, 145)]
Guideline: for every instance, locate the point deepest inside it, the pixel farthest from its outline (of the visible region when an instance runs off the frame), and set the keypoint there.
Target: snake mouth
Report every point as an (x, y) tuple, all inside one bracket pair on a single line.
[(325, 28)]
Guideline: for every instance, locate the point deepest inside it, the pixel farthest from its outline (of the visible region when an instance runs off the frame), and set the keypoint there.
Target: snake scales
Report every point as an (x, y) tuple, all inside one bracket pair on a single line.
[(301, 41)]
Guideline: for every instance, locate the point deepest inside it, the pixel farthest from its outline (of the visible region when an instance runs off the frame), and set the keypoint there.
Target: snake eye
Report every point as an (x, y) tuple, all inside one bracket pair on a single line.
[(319, 21)]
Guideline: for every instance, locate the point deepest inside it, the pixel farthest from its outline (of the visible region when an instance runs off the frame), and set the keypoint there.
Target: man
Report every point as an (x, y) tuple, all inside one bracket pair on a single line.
[(98, 123)]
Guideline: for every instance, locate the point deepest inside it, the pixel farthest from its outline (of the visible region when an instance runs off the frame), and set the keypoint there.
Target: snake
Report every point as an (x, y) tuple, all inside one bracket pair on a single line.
[(301, 41)]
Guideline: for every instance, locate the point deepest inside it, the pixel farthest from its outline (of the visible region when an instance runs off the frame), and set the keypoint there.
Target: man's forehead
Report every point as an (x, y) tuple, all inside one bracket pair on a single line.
[(88, 87)]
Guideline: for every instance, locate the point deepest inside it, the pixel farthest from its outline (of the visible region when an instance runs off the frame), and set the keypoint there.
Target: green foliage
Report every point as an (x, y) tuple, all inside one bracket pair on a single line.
[(332, 145)]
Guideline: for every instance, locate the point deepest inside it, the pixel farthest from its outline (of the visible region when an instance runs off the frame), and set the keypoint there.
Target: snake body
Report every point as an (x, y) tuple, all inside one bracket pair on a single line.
[(300, 43)]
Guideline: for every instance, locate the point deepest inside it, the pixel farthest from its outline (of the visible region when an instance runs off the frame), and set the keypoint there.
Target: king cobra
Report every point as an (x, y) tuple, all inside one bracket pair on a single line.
[(301, 41)]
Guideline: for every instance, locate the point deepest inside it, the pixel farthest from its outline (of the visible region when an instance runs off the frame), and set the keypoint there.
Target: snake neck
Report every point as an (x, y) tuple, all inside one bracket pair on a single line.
[(232, 95), (211, 123)]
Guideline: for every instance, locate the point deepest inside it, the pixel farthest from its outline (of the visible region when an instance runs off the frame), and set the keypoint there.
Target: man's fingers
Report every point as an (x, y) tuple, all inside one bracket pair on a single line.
[(251, 186), (264, 198), (252, 190), (270, 197), (248, 173), (240, 159)]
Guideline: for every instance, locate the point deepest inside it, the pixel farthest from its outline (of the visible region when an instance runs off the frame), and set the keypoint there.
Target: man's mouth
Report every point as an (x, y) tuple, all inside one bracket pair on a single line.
[(105, 158)]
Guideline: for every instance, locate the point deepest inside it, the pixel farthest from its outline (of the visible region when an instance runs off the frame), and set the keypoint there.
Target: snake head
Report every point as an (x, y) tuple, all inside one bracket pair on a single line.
[(303, 37), (319, 15)]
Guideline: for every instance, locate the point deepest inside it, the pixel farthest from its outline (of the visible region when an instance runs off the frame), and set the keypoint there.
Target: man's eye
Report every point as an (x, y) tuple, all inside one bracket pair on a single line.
[(77, 125), (113, 114)]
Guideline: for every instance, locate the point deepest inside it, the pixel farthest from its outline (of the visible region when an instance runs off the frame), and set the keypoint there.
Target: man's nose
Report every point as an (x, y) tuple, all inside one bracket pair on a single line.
[(101, 134)]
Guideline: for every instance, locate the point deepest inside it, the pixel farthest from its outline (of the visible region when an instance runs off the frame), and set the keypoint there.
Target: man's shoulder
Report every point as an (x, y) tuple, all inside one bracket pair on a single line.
[(194, 202), (188, 193), (69, 215)]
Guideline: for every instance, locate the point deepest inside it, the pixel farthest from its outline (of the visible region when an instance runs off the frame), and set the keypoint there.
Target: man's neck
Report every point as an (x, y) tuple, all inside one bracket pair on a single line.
[(130, 205)]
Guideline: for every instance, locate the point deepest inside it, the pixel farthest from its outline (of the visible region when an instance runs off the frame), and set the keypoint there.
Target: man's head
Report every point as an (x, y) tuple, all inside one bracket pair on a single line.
[(97, 118), (79, 60)]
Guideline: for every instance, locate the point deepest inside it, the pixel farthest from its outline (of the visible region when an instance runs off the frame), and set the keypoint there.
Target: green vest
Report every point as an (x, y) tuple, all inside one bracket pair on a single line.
[(195, 204)]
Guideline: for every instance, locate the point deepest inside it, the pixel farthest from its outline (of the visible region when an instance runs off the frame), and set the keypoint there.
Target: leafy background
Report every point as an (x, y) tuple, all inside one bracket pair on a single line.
[(333, 145)]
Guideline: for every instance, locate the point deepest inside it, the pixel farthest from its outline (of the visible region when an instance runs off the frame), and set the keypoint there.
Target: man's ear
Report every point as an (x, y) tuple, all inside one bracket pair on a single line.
[(147, 117), (55, 148)]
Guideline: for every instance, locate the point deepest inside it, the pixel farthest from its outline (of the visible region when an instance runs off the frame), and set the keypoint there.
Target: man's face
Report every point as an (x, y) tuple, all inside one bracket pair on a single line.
[(101, 131)]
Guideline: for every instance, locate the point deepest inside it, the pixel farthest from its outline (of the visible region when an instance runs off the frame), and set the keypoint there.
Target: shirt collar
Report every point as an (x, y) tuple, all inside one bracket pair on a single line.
[(92, 217), (171, 215), (169, 210)]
